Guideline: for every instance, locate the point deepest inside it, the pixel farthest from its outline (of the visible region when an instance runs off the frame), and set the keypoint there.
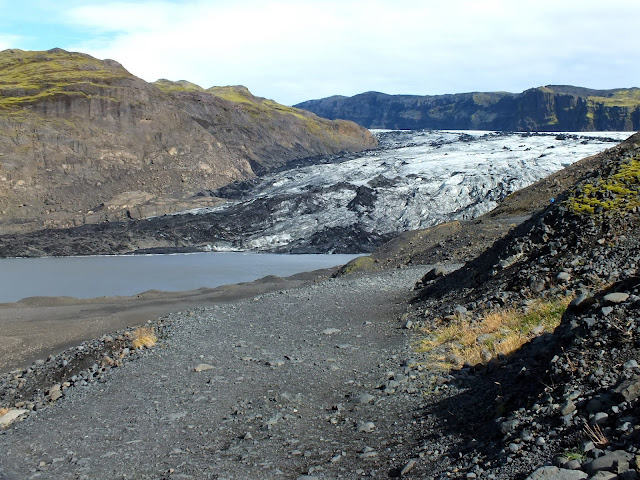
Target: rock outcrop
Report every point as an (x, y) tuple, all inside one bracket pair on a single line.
[(554, 108), (83, 141)]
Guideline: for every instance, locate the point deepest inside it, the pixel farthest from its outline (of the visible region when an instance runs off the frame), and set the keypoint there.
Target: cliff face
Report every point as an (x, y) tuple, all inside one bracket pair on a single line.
[(552, 108), (84, 141)]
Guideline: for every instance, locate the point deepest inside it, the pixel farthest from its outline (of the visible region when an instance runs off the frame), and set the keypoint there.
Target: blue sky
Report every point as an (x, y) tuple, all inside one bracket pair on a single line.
[(292, 51)]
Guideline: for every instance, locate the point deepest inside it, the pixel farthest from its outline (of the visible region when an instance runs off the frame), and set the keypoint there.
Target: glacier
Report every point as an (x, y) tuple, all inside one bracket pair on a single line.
[(351, 203)]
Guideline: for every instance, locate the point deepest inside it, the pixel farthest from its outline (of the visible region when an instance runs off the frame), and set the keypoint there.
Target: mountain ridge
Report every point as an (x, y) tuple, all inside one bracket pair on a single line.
[(548, 108), (84, 141)]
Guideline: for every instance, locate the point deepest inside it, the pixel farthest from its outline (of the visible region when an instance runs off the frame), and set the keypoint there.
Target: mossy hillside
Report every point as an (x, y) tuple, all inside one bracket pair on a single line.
[(359, 264), (261, 108), (28, 77), (170, 87), (629, 98), (617, 193), (256, 105), (486, 99)]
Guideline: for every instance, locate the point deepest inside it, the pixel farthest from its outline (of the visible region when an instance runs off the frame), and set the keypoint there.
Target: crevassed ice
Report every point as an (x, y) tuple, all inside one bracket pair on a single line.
[(416, 179)]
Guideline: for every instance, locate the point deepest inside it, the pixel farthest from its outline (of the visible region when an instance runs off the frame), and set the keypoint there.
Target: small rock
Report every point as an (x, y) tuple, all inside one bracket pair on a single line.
[(563, 277), (568, 407), (436, 272), (371, 454), (555, 473), (363, 398), (616, 297), (594, 406), (600, 418), (581, 302), (572, 465), (509, 426), (330, 331), (460, 310), (202, 367), (366, 427), (629, 389), (107, 361), (604, 476), (55, 392), (275, 363), (10, 416), (408, 467), (616, 462)]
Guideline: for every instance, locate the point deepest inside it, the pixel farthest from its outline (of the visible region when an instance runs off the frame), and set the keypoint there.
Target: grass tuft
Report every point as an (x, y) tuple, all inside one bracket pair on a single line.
[(498, 332), (144, 337), (596, 435)]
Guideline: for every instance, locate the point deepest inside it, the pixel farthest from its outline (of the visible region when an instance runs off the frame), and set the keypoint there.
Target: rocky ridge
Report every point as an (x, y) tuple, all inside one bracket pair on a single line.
[(567, 399), (84, 141), (553, 108)]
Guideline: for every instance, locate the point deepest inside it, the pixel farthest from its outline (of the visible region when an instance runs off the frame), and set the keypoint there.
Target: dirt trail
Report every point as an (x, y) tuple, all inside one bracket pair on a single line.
[(312, 381), (39, 326)]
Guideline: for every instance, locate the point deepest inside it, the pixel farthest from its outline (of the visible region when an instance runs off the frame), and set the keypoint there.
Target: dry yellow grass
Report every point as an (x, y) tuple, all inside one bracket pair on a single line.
[(144, 337), (498, 332)]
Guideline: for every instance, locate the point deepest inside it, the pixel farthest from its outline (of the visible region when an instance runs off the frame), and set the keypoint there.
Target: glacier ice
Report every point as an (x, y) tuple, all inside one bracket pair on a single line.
[(415, 179)]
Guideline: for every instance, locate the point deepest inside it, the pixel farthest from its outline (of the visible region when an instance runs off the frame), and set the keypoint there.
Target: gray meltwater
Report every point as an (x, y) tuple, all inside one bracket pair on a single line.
[(86, 277)]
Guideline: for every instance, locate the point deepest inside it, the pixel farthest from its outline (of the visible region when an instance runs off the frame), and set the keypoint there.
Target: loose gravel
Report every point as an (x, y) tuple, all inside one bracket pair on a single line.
[(317, 381)]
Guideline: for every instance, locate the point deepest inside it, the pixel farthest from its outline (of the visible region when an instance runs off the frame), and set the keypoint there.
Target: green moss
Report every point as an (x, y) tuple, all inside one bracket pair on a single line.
[(256, 105), (167, 86), (30, 77), (620, 192), (620, 98), (235, 94), (552, 120), (544, 314), (260, 108), (360, 264)]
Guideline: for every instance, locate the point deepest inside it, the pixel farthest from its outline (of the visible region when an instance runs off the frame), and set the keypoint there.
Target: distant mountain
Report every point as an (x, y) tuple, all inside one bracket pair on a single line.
[(550, 109), (83, 141)]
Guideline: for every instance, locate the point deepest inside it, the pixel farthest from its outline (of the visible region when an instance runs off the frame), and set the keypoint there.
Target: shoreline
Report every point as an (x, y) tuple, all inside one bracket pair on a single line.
[(36, 327)]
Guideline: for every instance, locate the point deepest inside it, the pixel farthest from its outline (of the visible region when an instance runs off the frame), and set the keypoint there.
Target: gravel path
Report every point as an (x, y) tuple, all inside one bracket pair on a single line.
[(313, 381)]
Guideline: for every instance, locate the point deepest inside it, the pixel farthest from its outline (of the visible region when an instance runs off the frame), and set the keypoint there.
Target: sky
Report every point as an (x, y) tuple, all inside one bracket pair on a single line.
[(296, 50)]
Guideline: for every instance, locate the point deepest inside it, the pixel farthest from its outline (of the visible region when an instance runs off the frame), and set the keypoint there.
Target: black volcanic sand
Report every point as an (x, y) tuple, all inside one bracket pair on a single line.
[(36, 327)]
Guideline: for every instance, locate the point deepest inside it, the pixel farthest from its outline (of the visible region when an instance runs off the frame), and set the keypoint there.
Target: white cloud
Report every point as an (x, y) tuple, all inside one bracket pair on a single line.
[(8, 41), (296, 50)]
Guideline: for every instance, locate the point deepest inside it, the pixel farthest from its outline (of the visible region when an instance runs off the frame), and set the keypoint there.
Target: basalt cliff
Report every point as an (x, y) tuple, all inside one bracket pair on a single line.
[(83, 140), (554, 108)]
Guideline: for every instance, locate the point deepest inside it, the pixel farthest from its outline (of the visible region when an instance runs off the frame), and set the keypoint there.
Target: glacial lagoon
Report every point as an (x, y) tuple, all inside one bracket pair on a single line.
[(98, 276)]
